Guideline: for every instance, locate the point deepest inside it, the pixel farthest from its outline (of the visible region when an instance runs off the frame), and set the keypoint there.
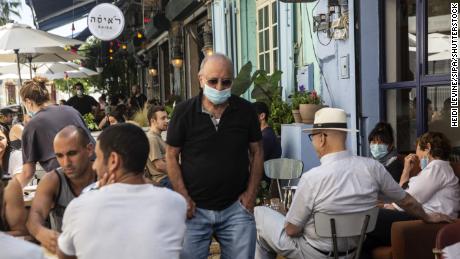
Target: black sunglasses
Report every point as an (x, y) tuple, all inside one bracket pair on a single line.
[(224, 82), (310, 136)]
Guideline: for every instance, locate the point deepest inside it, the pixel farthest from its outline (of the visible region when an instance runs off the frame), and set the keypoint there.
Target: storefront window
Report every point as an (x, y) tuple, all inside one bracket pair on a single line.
[(400, 39), (438, 37), (401, 114), (440, 120)]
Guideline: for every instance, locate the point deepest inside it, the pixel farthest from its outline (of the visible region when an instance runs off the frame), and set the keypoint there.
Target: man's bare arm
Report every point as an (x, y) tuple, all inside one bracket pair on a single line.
[(175, 176), (255, 175), (414, 208), (15, 212), (41, 207)]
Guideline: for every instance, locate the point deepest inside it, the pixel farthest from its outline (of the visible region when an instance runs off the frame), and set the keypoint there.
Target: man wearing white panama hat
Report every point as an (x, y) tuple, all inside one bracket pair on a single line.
[(343, 183)]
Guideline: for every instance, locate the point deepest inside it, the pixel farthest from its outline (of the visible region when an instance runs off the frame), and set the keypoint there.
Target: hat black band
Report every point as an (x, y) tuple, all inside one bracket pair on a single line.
[(330, 125)]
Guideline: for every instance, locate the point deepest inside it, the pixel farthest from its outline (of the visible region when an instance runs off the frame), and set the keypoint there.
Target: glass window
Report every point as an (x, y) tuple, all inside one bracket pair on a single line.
[(400, 37), (266, 23), (267, 48), (439, 121), (261, 19), (401, 114), (438, 37), (274, 13)]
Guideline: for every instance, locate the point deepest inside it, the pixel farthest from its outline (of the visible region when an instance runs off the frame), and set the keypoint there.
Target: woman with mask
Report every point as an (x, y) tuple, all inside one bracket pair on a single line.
[(46, 120), (381, 143), (436, 186)]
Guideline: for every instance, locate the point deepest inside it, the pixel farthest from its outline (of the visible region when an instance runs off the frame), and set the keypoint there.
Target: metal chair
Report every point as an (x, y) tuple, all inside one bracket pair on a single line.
[(346, 225), (284, 169)]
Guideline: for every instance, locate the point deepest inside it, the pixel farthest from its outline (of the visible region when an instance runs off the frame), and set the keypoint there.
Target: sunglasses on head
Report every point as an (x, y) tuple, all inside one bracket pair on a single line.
[(226, 82)]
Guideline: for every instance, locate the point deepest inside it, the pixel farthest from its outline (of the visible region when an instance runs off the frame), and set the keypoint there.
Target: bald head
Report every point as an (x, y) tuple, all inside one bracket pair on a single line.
[(219, 60), (73, 132), (329, 141)]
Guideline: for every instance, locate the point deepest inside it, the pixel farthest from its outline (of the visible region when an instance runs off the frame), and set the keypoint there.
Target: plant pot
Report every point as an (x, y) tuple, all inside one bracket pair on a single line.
[(307, 112), (296, 115)]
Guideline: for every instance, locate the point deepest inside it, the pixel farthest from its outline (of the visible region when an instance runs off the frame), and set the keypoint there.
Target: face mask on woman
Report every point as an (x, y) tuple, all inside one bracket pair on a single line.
[(424, 162), (379, 150)]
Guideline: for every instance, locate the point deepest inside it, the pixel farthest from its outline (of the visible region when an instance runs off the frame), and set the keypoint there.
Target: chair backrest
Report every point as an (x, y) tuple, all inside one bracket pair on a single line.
[(346, 225), (448, 235), (283, 168)]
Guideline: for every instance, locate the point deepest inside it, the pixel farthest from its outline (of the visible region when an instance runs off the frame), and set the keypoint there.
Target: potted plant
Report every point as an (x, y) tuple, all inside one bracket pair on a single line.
[(309, 103)]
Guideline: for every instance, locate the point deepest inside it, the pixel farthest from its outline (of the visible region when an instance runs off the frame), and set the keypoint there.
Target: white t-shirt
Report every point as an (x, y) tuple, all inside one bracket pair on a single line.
[(436, 188), (15, 248), (124, 221), (15, 162), (343, 183)]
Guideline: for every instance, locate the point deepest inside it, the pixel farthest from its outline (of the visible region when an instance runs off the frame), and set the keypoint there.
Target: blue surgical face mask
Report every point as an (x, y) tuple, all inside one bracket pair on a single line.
[(216, 96), (379, 150), (29, 112), (424, 162)]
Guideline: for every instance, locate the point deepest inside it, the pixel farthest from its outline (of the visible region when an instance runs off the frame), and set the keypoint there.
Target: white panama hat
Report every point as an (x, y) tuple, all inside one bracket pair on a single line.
[(330, 119)]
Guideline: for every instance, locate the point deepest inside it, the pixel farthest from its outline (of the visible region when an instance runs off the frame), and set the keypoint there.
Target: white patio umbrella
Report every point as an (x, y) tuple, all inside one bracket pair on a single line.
[(41, 68), (49, 70), (45, 54), (19, 37)]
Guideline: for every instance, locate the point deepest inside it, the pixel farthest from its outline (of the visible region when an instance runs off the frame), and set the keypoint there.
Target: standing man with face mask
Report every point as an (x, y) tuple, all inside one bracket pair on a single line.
[(217, 136), (82, 102)]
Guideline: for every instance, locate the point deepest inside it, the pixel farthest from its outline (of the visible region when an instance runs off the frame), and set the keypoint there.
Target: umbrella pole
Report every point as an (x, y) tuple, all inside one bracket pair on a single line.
[(19, 67), (30, 66)]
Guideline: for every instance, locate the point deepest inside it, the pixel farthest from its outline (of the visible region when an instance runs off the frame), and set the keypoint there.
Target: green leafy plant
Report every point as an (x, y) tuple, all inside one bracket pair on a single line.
[(90, 122), (266, 89), (280, 113)]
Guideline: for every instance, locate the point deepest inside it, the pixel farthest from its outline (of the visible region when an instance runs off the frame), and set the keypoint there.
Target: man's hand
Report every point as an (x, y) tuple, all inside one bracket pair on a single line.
[(48, 239), (190, 206), (248, 200), (437, 218)]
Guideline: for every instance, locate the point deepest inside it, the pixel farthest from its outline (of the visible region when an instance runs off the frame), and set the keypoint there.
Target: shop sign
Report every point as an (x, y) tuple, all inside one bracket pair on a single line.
[(106, 21)]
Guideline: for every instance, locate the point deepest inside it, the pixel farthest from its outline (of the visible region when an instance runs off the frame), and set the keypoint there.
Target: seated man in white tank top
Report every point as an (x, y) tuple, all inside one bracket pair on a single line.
[(73, 151)]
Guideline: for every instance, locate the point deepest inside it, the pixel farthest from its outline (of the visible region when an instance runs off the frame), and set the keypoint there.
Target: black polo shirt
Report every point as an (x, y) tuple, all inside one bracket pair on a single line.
[(214, 160)]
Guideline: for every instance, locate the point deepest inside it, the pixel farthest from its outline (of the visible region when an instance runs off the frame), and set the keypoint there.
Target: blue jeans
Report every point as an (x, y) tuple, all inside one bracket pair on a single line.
[(233, 227)]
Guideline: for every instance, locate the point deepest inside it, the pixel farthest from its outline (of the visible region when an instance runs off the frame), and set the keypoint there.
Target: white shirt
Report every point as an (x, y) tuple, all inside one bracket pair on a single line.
[(452, 251), (15, 163), (124, 221), (15, 248), (436, 188), (343, 183)]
